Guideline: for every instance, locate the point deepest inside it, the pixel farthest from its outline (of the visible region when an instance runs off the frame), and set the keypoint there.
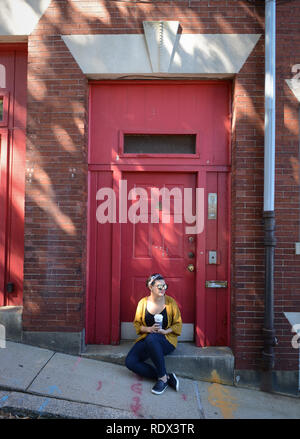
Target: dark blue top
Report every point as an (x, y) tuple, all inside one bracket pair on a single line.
[(149, 318)]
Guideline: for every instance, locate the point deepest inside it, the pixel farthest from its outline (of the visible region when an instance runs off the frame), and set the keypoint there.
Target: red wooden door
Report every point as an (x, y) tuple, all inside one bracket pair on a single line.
[(217, 257), (158, 247), (3, 210), (13, 89), (127, 118)]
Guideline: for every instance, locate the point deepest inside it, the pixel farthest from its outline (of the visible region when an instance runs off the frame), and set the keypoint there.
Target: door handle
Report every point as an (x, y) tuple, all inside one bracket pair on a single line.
[(191, 267)]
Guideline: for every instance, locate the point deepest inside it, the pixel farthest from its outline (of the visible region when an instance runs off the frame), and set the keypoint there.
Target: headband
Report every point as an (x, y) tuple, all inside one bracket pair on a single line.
[(153, 278)]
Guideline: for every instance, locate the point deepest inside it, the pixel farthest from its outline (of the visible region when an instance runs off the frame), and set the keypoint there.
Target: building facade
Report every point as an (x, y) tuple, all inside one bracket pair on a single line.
[(99, 98)]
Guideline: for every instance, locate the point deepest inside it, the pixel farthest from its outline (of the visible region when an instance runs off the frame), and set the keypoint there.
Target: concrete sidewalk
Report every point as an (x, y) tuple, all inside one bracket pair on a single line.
[(48, 383)]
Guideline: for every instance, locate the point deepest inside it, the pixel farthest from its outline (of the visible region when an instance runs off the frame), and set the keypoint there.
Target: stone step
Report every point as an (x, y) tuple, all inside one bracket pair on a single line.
[(213, 364)]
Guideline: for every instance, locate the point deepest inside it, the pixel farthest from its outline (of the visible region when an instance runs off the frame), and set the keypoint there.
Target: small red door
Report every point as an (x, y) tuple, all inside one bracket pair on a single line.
[(217, 259), (3, 210), (165, 247), (13, 89)]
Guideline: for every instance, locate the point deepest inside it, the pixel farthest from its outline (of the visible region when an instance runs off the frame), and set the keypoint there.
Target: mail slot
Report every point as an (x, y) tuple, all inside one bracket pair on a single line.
[(216, 284)]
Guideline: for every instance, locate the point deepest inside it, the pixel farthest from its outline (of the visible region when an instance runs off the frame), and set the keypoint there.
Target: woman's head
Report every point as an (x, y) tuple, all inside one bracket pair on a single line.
[(156, 281)]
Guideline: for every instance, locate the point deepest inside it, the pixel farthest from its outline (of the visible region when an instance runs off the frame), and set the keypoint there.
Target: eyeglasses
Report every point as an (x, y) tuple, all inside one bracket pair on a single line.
[(162, 287)]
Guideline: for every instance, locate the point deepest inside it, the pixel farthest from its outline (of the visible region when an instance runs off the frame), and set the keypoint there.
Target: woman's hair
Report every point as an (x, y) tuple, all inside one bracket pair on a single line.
[(153, 278)]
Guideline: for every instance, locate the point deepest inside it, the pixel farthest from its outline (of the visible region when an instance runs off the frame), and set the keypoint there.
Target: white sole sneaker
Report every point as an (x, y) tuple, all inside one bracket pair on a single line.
[(159, 392), (176, 381)]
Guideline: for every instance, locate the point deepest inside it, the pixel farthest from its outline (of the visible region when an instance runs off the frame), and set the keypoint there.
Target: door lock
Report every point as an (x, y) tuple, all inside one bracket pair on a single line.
[(191, 267)]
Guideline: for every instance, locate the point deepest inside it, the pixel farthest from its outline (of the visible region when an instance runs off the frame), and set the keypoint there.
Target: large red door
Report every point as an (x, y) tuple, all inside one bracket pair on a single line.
[(154, 135), (158, 247)]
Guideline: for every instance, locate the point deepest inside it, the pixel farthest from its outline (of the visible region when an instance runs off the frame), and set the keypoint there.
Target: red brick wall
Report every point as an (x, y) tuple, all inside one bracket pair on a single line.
[(55, 237), (55, 220), (247, 201), (287, 201), (247, 209)]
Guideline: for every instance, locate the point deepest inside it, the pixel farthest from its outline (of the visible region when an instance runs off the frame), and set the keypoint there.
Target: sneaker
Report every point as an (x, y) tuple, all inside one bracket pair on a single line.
[(173, 381), (159, 387)]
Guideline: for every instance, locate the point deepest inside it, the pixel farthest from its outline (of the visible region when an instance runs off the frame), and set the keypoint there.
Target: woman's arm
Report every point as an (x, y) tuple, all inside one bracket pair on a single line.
[(138, 323), (144, 329), (176, 325)]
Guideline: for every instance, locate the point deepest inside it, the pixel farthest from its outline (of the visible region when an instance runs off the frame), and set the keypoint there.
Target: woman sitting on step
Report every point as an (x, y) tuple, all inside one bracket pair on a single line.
[(155, 340)]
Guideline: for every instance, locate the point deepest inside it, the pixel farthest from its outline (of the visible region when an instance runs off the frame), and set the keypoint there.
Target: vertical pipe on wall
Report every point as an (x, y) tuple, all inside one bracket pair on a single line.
[(270, 65), (269, 187)]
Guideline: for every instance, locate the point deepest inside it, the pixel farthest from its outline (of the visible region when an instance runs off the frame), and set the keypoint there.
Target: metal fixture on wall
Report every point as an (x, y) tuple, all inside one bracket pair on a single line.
[(269, 187)]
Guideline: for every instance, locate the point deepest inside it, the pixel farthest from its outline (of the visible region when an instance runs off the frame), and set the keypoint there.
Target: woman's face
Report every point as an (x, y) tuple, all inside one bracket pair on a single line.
[(159, 288)]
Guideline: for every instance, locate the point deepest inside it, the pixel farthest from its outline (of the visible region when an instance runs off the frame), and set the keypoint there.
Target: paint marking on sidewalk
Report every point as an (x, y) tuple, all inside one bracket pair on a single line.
[(221, 397), (47, 400), (3, 399), (76, 363), (136, 405)]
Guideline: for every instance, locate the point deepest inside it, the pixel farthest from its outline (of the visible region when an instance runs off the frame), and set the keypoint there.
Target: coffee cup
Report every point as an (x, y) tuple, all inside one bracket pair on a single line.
[(158, 318)]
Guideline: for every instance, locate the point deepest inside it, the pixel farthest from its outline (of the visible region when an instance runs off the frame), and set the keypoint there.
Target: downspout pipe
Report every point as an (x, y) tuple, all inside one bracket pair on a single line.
[(268, 358)]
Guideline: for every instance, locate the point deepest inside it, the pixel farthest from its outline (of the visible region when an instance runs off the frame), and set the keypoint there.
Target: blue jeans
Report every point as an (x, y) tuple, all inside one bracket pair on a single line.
[(154, 346)]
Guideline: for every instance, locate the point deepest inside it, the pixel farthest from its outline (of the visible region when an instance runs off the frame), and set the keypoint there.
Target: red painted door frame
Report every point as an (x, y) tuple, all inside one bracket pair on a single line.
[(116, 171), (13, 58), (3, 212)]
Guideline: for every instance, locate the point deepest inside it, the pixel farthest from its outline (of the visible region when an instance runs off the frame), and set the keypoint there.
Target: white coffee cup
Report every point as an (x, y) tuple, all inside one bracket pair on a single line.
[(158, 318)]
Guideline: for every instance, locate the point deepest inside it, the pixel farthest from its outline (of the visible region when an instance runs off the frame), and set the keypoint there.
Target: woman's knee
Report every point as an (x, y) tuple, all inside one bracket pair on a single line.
[(151, 338), (154, 341)]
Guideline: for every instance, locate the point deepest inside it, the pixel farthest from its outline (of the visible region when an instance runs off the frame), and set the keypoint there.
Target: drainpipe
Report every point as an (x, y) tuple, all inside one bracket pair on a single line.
[(269, 184)]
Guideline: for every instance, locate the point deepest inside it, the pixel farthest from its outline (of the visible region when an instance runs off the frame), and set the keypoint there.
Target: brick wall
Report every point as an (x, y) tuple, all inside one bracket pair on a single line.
[(55, 229), (247, 209), (287, 201), (247, 200), (55, 221)]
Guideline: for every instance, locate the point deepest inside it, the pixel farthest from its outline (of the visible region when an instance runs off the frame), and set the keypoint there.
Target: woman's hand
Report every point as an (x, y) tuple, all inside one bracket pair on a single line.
[(157, 329), (162, 331), (154, 329), (150, 329), (165, 331)]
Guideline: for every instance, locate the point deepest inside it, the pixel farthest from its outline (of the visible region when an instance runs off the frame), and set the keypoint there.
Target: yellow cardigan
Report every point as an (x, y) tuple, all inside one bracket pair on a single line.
[(174, 319)]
